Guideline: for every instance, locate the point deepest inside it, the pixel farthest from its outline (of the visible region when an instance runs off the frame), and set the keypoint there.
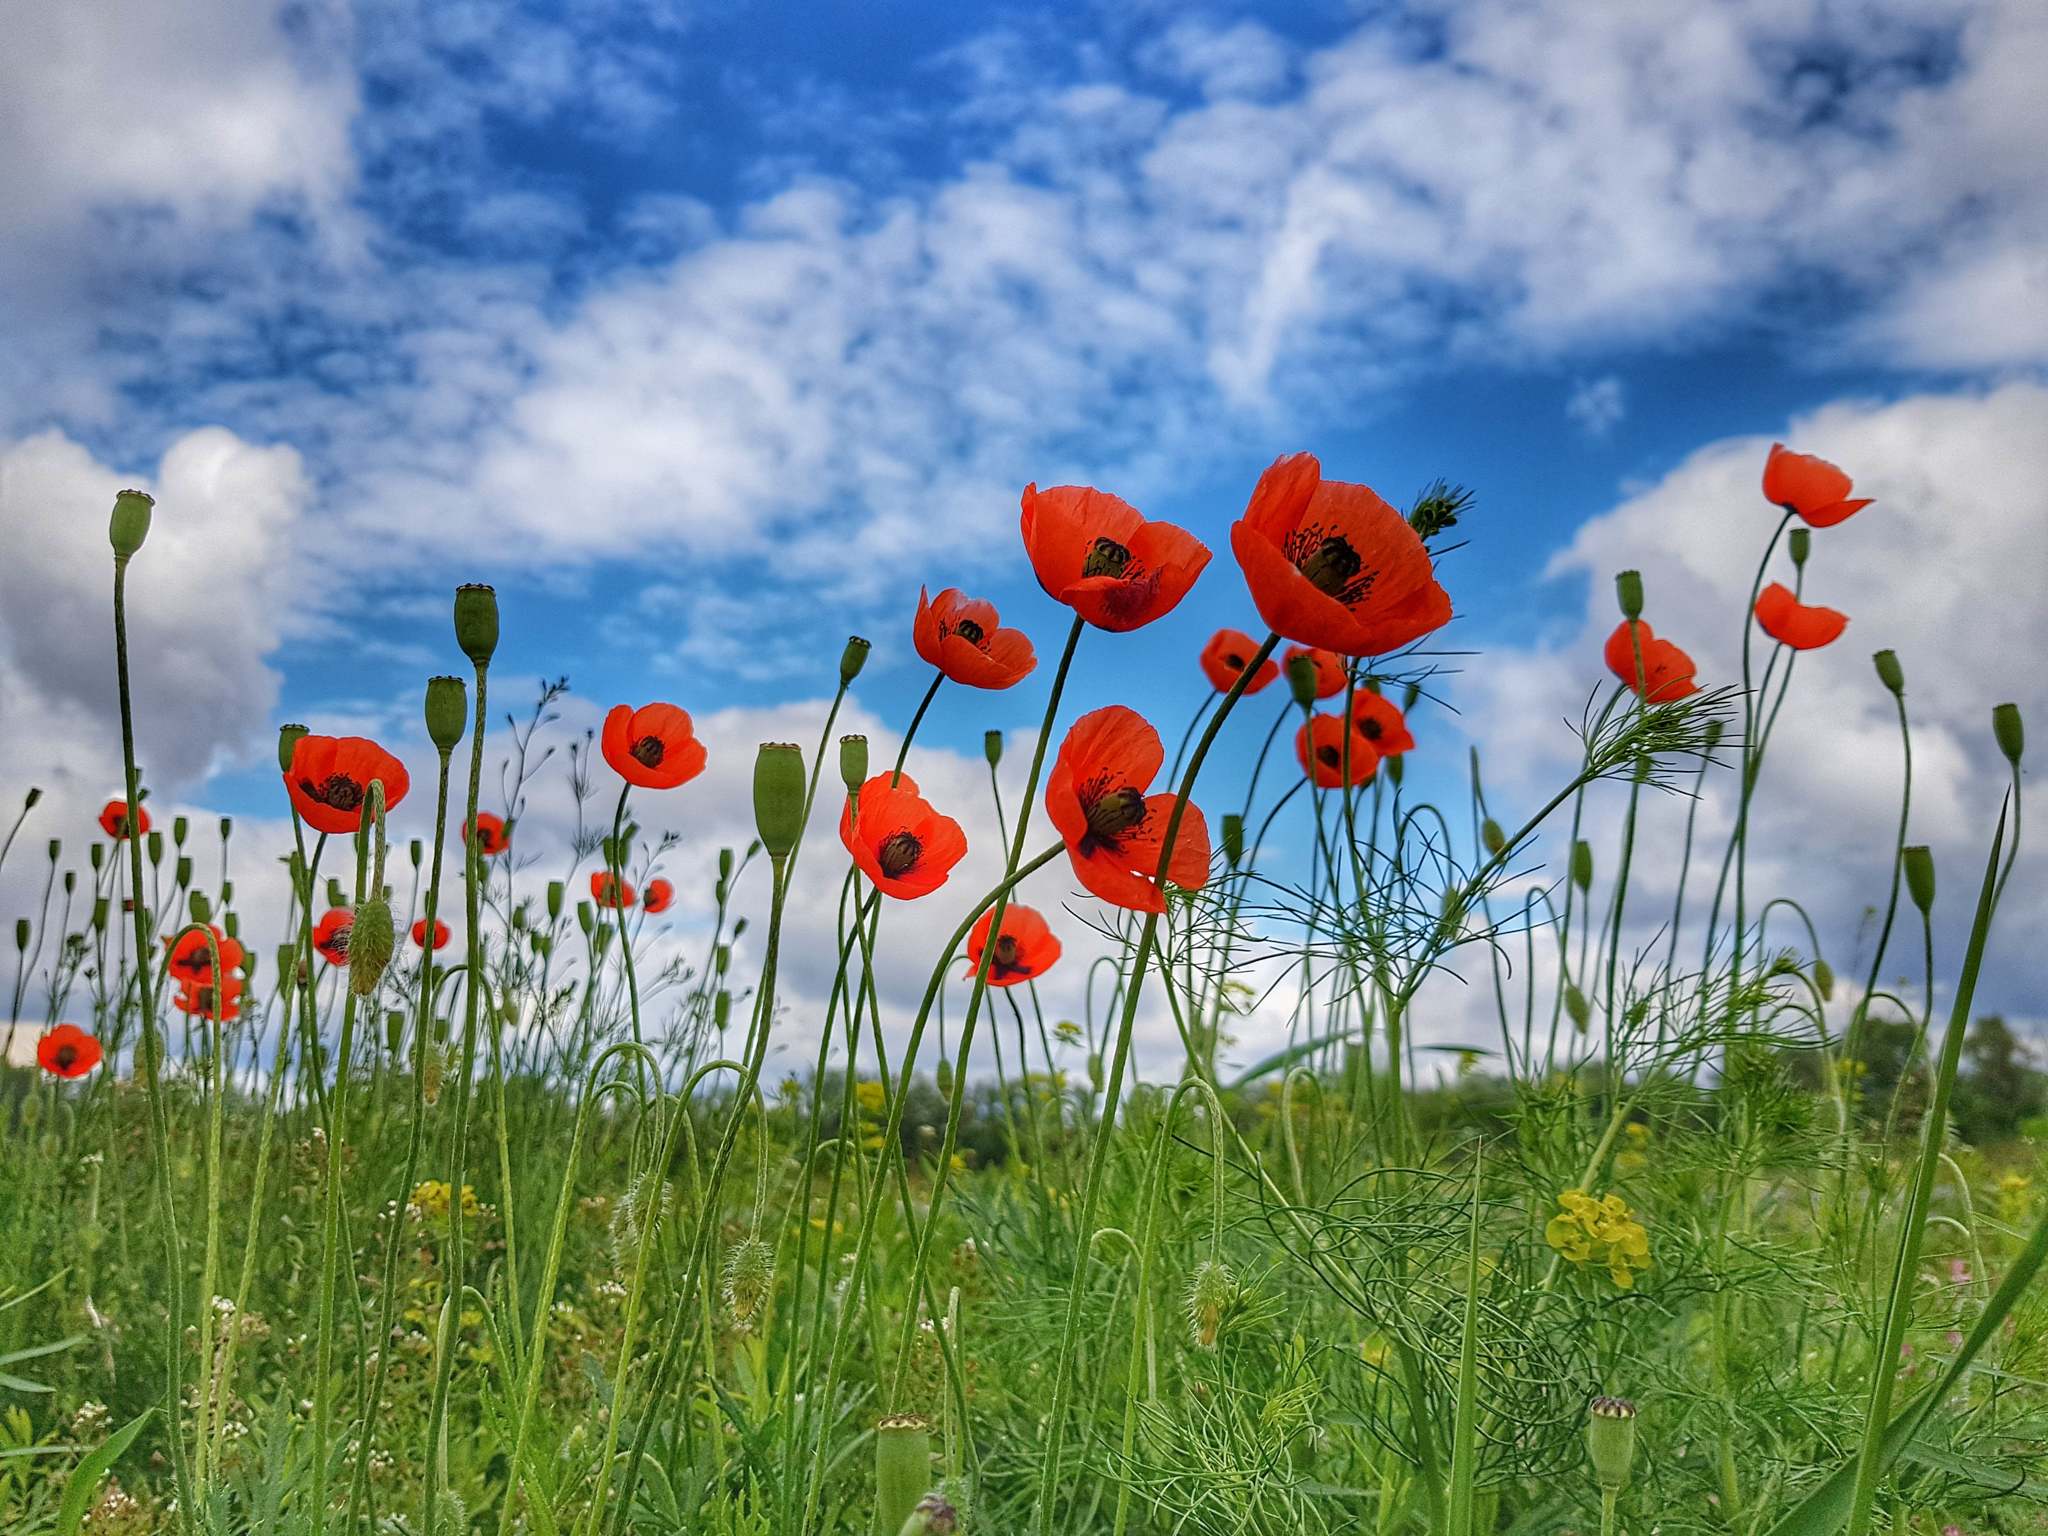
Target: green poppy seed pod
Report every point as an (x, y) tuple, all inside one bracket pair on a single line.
[(97, 854), (1800, 543), (1301, 681), (156, 848), (1889, 672), (721, 1008), (227, 827), (1824, 980), (519, 917), (779, 797), (721, 958), (57, 847), (992, 748), (71, 879), (1611, 1441), (248, 964), (227, 892), (33, 799), (556, 891), (586, 917), (100, 908), (933, 1516), (942, 1076), (1395, 771), (288, 743), (1919, 862), (725, 863), (476, 622), (2009, 731), (1628, 589), (233, 924), (183, 871), (200, 907), (1491, 838), (1582, 865), (180, 828), (129, 525), (416, 850), (1576, 1005), (903, 1468), (394, 1030), (1233, 839), (852, 659), (370, 942), (22, 932), (447, 710), (853, 762)]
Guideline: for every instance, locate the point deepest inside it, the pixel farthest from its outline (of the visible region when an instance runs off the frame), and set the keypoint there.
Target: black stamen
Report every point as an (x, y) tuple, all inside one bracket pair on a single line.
[(899, 854)]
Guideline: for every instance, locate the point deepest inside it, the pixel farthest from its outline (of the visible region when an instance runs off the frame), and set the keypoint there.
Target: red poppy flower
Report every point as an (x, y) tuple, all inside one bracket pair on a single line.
[(1330, 564), (491, 837), (1379, 720), (114, 819), (419, 933), (192, 956), (331, 935), (1112, 828), (1666, 671), (330, 779), (1224, 657), (652, 746), (898, 840), (607, 892), (222, 1005), (1802, 626), (1811, 487), (68, 1051), (1025, 947), (1330, 674), (658, 897), (1097, 554), (1324, 753), (963, 638)]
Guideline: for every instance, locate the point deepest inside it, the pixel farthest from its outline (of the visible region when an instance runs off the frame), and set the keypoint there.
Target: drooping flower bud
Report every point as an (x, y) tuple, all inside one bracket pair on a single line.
[(371, 940), (129, 525), (1919, 862), (942, 1076), (1824, 980), (1628, 588), (1611, 1440), (903, 1468), (933, 1516), (1889, 672), (749, 1277), (1576, 1005), (1582, 865), (852, 659), (288, 743), (1491, 838), (1233, 839), (779, 797), (721, 1009), (1800, 543), (853, 762), (1301, 680), (1210, 1291), (2009, 731), (447, 710), (476, 622)]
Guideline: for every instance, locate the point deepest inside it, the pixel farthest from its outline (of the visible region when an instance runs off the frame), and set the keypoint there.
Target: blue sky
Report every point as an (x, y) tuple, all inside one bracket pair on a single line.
[(708, 331)]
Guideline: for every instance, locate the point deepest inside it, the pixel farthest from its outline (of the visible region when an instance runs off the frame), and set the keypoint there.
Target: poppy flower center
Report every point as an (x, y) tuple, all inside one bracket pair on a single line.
[(1329, 757), (1106, 557), (337, 941), (337, 790), (1234, 661), (899, 854), (66, 1055), (648, 751), (1006, 953), (1115, 812), (1332, 566), (1370, 729)]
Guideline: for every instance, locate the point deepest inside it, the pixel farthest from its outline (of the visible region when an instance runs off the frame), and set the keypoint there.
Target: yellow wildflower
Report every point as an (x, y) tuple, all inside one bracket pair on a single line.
[(1603, 1231), (871, 1096)]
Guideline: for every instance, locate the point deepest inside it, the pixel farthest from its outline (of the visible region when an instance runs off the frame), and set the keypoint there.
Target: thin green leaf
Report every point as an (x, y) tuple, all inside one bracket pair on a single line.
[(85, 1480)]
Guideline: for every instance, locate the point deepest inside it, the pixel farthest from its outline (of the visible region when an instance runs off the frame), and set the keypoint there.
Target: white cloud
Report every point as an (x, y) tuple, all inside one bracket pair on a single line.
[(1597, 405)]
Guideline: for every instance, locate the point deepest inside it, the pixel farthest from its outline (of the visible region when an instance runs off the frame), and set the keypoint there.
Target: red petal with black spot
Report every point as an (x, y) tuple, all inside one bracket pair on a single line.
[(330, 779)]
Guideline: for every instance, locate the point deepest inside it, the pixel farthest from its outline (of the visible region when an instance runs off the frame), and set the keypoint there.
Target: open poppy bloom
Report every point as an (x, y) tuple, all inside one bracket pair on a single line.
[(331, 935), (491, 837), (1332, 565), (419, 933), (1325, 754), (221, 1004), (1802, 626), (114, 819), (1226, 655), (1025, 947), (607, 891), (653, 746), (898, 840), (1666, 672), (1380, 721), (1114, 831), (1098, 555), (192, 957), (1813, 488), (963, 637), (658, 897), (68, 1051), (1330, 676), (330, 779)]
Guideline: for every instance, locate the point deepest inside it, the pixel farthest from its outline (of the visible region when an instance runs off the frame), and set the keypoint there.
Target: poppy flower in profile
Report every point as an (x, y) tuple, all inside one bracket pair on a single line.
[(1114, 831), (491, 837), (1813, 488), (222, 1004), (1380, 721), (1025, 947), (419, 933), (331, 935), (1666, 672), (609, 891), (68, 1051), (114, 819), (1332, 565), (1325, 754), (1098, 555), (1227, 654), (1330, 673), (898, 840), (963, 637), (192, 957), (658, 897), (1803, 626), (653, 746), (330, 776)]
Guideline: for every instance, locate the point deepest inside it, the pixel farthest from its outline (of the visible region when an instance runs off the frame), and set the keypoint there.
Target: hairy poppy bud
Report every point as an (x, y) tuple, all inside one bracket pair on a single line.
[(476, 622), (992, 748), (853, 762), (1095, 1070), (1233, 839), (903, 1468), (447, 709), (201, 908), (1611, 1440), (371, 939), (942, 1077), (1210, 1291), (1582, 865), (1491, 838), (1889, 672), (933, 1516), (287, 743), (1628, 587), (1824, 980), (1576, 1005), (1920, 877), (1301, 680), (2009, 731), (749, 1277), (852, 659), (779, 797), (1800, 543), (721, 1009), (739, 928), (129, 525)]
